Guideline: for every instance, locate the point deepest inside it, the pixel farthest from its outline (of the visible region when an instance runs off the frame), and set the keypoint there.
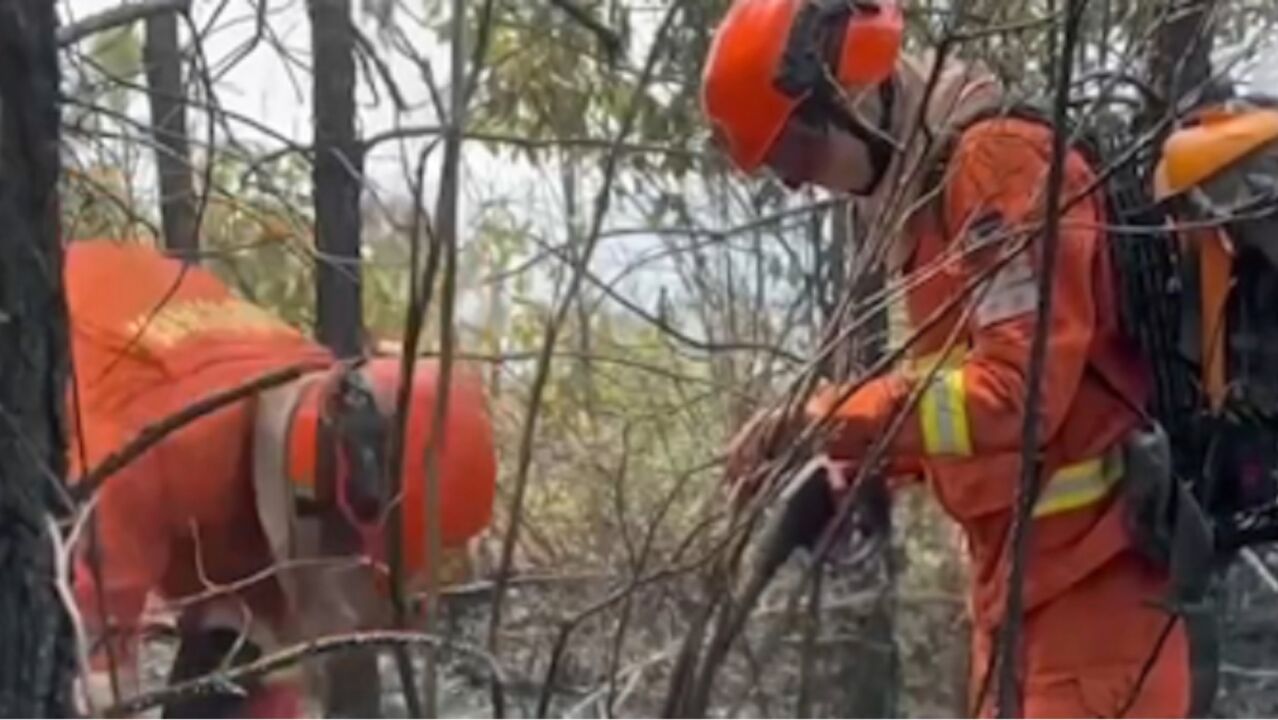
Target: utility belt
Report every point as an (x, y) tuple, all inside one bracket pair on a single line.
[(1164, 520), (1172, 529)]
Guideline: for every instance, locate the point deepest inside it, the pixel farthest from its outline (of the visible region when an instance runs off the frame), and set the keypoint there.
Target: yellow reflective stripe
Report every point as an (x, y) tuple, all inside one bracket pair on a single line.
[(1080, 484), (943, 414)]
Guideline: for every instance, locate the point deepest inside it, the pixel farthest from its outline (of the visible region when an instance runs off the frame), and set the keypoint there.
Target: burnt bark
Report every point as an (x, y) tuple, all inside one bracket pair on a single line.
[(1180, 62), (163, 59), (36, 645), (337, 178), (866, 672), (353, 687)]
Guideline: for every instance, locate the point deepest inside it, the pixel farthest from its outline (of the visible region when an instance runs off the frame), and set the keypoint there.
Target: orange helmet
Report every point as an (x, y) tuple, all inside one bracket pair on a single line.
[(337, 440), (1215, 140), (767, 56)]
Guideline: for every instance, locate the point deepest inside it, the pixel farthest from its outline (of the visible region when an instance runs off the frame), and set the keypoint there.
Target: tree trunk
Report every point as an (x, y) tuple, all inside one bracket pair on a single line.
[(866, 673), (337, 178), (353, 687), (1181, 55), (163, 61), (36, 645)]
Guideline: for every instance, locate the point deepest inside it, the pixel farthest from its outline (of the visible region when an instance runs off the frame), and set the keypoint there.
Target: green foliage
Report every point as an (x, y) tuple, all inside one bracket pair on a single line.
[(258, 235), (95, 204), (114, 55), (617, 441), (542, 79), (547, 78), (118, 52)]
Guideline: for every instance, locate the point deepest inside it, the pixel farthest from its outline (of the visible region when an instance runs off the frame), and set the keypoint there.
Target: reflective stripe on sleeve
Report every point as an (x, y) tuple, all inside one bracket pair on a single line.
[(943, 414)]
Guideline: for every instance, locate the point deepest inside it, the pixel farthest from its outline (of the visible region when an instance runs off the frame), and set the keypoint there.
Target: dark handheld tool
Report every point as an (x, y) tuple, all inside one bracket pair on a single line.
[(802, 516), (809, 504), (806, 507)]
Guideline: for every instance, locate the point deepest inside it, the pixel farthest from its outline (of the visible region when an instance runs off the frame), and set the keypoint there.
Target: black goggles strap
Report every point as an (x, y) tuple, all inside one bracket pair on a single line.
[(351, 423), (815, 36), (824, 108)]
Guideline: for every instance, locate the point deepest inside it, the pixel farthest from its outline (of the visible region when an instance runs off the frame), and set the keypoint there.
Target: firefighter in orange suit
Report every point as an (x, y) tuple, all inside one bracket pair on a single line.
[(252, 519), (818, 92)]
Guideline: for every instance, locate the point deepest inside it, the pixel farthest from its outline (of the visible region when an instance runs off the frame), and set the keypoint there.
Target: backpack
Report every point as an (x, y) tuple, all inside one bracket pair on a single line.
[(1197, 307), (1214, 389), (1197, 303)]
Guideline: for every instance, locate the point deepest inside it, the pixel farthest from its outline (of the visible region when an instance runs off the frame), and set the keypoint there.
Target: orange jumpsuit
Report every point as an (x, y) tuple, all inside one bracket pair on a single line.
[(1089, 628), (148, 339)]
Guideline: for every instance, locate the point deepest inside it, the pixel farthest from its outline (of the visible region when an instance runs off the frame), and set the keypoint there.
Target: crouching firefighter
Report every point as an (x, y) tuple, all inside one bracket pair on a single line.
[(818, 92), (263, 523)]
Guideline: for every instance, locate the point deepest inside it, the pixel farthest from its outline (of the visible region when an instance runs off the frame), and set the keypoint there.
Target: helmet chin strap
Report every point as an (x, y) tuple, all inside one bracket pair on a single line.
[(805, 73), (877, 142)]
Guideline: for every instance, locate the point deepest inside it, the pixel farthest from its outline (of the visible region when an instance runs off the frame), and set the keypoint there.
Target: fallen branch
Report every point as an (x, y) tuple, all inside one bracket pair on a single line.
[(291, 656), (115, 17)]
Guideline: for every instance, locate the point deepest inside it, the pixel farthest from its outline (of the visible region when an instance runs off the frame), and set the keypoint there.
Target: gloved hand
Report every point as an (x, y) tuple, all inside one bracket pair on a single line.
[(762, 438), (857, 417), (806, 506)]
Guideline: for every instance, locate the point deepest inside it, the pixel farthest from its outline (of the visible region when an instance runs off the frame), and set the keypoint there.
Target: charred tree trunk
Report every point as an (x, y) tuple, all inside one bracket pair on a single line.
[(353, 687), (337, 177), (1180, 65), (163, 61), (867, 671), (36, 645)]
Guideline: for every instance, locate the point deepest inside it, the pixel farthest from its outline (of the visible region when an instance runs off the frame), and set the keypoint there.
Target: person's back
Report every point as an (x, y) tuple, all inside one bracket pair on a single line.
[(279, 500), (149, 338), (144, 322)]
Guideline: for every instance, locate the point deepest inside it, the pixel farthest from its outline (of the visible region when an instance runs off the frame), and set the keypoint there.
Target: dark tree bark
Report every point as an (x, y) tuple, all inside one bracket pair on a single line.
[(353, 688), (337, 177), (1180, 64), (36, 645), (163, 61), (866, 672)]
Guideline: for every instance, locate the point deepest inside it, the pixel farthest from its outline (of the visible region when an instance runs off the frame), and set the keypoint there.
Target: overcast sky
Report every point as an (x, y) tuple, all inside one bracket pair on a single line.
[(275, 92)]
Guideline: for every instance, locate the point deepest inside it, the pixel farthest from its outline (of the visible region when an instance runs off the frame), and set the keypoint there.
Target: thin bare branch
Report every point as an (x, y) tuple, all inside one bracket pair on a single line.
[(125, 14), (1009, 687), (291, 656), (602, 201), (151, 435)]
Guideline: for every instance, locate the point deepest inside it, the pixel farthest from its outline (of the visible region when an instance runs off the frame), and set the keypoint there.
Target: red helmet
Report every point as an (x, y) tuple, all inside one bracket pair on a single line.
[(337, 440), (767, 56)]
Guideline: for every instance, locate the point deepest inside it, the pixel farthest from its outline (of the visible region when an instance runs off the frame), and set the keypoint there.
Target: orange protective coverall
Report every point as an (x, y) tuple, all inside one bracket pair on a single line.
[(1089, 627), (150, 338)]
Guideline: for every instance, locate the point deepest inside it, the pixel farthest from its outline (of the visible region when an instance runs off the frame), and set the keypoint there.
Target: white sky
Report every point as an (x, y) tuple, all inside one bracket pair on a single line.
[(275, 92)]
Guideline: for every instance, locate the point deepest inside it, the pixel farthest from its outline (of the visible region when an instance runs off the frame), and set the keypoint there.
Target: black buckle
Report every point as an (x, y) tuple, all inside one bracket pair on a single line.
[(354, 423), (802, 68), (802, 74), (807, 52)]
